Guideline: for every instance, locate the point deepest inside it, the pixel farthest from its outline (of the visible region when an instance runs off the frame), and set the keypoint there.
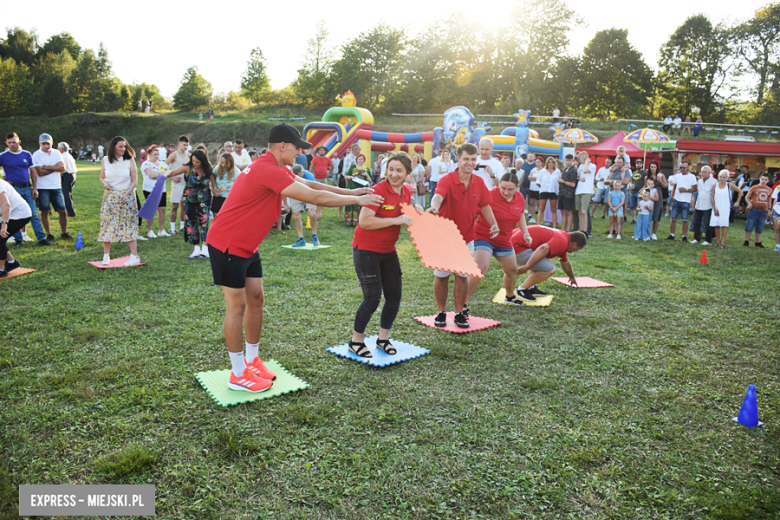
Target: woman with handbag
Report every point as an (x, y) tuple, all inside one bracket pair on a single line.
[(416, 181)]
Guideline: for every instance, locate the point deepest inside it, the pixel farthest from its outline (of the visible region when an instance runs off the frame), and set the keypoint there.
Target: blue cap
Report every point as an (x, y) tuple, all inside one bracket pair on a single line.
[(45, 138)]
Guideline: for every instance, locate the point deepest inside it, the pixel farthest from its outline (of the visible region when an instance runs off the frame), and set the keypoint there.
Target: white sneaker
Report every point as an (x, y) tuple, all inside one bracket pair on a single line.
[(705, 243), (617, 237), (151, 234), (610, 236), (142, 238), (25, 238), (204, 251), (133, 260), (163, 234), (106, 260), (195, 253), (654, 237), (181, 226), (694, 241), (636, 238), (532, 220), (647, 240)]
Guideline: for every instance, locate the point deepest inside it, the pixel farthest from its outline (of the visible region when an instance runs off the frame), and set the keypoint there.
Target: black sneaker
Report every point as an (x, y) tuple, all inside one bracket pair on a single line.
[(461, 321), (3, 274), (465, 312), (670, 237), (603, 217), (50, 238), (758, 244), (44, 242), (746, 244), (10, 266), (525, 295), (512, 300), (633, 223), (536, 292), (441, 319), (66, 236), (684, 238)]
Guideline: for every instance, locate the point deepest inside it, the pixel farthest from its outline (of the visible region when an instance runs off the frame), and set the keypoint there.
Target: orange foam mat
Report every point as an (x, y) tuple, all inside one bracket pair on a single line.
[(440, 244), (584, 282), (115, 263), (18, 272), (475, 323)]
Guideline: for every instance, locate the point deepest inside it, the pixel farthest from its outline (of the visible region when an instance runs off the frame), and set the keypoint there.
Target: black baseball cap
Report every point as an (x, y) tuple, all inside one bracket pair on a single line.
[(285, 133)]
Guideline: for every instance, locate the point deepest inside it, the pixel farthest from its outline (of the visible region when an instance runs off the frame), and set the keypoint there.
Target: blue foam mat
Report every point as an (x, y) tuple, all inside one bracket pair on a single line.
[(404, 352)]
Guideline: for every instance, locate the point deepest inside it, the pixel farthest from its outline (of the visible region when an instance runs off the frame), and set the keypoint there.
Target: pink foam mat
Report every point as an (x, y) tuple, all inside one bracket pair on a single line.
[(18, 272), (585, 282), (115, 262), (475, 323)]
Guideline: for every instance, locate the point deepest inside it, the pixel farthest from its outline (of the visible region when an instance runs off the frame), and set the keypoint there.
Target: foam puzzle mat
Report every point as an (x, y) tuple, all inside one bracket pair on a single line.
[(439, 243), (585, 282), (215, 383), (541, 301), (18, 272), (307, 247), (404, 352), (475, 323), (115, 262)]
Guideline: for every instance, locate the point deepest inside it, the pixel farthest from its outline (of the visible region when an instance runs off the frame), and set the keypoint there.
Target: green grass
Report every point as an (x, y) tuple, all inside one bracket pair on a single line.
[(611, 403)]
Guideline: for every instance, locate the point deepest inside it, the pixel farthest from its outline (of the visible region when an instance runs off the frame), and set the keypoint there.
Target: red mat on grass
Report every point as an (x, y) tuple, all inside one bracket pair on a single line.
[(18, 272), (475, 323), (585, 282), (440, 244), (115, 262)]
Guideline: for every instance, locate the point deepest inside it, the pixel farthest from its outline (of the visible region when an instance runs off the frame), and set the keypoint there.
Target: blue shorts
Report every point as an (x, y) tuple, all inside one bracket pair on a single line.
[(633, 200), (484, 245), (755, 220), (619, 212), (601, 195), (45, 197), (680, 209), (775, 215)]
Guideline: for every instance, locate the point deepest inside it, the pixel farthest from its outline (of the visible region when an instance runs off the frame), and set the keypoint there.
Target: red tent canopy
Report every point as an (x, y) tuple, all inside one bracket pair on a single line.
[(600, 151)]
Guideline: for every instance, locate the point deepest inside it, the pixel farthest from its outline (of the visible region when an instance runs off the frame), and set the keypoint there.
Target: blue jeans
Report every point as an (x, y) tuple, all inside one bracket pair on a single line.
[(643, 227), (680, 210), (26, 194), (432, 185), (755, 221)]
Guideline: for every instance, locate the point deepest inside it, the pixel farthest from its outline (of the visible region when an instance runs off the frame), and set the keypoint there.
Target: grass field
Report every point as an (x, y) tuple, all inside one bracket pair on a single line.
[(611, 403)]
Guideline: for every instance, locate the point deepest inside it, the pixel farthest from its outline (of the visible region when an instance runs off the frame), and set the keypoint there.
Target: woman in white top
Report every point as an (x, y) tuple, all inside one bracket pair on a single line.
[(118, 212), (225, 174), (721, 207), (547, 178), (533, 188), (418, 175), (15, 213), (151, 170)]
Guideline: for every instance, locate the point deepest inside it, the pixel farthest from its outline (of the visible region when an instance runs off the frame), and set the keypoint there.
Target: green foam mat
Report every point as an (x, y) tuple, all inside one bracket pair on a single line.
[(215, 383), (307, 247)]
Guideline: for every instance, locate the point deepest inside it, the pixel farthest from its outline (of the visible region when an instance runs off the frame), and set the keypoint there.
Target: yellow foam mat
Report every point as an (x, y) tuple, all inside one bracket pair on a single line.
[(543, 301)]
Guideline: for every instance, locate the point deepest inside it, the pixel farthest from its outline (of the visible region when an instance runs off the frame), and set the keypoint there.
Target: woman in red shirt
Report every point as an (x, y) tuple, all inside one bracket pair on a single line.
[(508, 205), (375, 258)]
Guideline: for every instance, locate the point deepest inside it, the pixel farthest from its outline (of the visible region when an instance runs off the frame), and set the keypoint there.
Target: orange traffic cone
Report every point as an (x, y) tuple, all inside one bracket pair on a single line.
[(703, 260)]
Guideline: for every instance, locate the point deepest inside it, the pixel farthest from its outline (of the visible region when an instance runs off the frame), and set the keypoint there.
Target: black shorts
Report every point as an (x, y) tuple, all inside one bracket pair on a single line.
[(548, 196), (566, 204), (231, 270), (163, 199), (216, 204), (533, 195)]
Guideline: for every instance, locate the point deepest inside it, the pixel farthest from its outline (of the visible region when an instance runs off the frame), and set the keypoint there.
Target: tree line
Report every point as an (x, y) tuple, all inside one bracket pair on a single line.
[(730, 73)]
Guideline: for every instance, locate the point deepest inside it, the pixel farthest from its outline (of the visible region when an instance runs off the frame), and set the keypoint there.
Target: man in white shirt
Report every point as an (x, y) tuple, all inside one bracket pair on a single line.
[(682, 191), (49, 166), (586, 172), (667, 124), (440, 166), (100, 152), (677, 124), (163, 152), (350, 159), (488, 168), (602, 191), (556, 114), (703, 207), (240, 155), (176, 159), (68, 177)]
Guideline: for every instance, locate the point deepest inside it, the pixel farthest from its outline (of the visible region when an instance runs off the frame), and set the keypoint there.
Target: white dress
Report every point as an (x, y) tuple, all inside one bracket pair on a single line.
[(723, 204)]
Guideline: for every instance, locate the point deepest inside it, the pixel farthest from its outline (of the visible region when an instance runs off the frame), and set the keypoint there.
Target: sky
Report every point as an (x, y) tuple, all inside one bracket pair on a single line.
[(156, 42)]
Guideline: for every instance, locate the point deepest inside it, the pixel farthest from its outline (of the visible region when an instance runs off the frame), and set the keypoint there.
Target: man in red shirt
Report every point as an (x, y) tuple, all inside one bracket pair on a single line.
[(546, 243), (322, 167), (460, 196), (246, 217)]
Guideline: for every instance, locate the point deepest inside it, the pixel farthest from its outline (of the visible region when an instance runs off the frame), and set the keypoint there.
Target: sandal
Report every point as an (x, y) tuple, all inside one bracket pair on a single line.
[(386, 346), (362, 349)]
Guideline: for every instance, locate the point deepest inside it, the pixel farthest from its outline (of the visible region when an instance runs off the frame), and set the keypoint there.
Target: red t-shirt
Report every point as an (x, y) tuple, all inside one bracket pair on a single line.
[(251, 207), (321, 165), (461, 204), (557, 240), (507, 213), (383, 240)]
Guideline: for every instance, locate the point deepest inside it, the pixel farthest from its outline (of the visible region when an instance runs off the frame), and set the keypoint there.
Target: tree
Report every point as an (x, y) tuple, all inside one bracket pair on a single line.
[(194, 92), (254, 81), (695, 65), (59, 43), (314, 85), (20, 45), (52, 72), (613, 80), (759, 45), (16, 85), (370, 65)]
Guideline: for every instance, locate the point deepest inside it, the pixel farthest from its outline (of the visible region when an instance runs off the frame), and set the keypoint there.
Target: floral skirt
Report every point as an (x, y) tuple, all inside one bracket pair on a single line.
[(118, 221)]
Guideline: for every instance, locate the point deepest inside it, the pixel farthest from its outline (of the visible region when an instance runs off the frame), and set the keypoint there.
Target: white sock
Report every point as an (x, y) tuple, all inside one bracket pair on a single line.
[(173, 226), (251, 351), (237, 360)]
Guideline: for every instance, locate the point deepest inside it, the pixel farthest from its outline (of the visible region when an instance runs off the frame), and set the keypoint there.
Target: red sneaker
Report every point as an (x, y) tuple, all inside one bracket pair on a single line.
[(258, 367), (249, 382)]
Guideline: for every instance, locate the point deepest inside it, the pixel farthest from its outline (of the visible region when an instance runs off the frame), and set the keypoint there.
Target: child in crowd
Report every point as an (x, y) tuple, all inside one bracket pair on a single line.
[(616, 201), (758, 198), (643, 227)]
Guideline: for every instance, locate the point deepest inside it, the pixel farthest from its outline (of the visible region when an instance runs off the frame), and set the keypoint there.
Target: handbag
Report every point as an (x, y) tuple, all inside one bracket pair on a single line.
[(421, 189)]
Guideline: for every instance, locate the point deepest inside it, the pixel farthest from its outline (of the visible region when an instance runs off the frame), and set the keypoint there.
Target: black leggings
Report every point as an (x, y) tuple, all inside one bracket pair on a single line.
[(378, 273), (12, 227)]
